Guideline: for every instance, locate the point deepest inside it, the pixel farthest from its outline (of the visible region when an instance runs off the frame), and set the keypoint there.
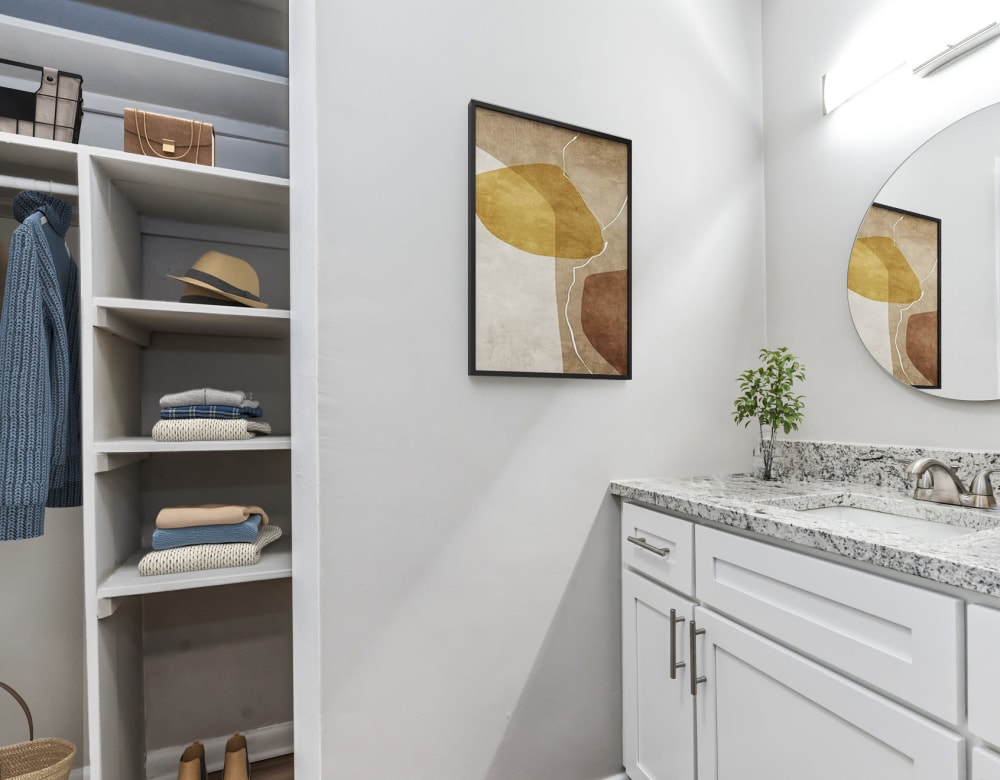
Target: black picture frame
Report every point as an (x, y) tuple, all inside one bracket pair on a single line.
[(916, 239), (543, 195)]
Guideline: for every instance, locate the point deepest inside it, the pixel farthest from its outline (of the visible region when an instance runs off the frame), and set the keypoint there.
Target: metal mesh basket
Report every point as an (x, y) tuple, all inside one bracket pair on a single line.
[(53, 111)]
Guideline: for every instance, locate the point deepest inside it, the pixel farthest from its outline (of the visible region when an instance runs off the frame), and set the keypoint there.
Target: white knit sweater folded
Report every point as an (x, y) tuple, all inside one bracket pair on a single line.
[(203, 429)]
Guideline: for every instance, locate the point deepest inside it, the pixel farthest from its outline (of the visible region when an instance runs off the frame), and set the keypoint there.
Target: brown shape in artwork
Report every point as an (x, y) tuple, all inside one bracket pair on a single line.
[(922, 344), (604, 314)]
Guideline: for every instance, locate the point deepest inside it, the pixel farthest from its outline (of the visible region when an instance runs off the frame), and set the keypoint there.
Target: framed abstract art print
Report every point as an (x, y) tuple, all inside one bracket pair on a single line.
[(549, 248)]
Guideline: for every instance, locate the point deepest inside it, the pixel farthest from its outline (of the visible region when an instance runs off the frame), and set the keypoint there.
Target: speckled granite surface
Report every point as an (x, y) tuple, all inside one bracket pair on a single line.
[(866, 477), (870, 464)]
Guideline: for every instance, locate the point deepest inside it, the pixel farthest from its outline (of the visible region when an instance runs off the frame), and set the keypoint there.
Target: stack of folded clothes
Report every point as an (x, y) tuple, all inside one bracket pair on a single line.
[(207, 414), (207, 536)]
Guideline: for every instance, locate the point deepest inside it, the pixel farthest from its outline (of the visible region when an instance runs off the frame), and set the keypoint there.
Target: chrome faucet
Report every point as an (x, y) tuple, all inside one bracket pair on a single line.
[(982, 488), (951, 491)]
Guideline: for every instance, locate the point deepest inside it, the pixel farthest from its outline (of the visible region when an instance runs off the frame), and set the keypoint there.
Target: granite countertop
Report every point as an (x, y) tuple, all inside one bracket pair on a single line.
[(773, 509)]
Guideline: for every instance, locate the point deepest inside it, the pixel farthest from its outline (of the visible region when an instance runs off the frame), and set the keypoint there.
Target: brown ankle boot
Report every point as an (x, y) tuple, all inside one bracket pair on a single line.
[(192, 765), (237, 766)]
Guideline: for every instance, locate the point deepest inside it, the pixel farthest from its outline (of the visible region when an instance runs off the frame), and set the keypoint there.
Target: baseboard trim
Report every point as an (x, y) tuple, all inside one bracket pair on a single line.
[(266, 742)]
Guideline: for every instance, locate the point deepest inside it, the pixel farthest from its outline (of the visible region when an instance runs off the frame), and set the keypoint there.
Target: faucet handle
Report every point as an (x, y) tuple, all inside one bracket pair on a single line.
[(982, 490), (924, 489)]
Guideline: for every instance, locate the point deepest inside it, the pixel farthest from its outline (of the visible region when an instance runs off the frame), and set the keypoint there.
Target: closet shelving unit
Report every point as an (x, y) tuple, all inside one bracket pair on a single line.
[(132, 331), (139, 220)]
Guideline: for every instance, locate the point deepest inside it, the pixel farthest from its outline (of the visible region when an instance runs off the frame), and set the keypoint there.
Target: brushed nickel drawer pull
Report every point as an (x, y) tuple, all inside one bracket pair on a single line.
[(695, 679), (674, 663), (641, 541)]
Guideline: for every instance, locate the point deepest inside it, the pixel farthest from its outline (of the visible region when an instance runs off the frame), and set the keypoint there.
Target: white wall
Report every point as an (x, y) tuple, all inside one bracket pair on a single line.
[(41, 646), (821, 175), (469, 553)]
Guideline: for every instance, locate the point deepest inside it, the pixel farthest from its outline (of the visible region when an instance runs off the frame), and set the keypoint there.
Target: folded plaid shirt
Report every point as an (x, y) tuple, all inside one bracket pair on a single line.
[(210, 412)]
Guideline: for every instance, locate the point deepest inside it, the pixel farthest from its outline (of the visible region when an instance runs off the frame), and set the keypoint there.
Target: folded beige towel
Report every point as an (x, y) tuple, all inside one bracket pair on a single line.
[(207, 514), (203, 429), (199, 557)]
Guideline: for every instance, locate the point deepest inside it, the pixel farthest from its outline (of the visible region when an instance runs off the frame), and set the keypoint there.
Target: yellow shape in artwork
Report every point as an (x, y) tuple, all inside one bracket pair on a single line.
[(879, 271), (538, 210)]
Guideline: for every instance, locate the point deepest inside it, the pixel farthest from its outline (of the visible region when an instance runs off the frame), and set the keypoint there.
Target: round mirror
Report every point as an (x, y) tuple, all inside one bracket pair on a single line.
[(923, 283)]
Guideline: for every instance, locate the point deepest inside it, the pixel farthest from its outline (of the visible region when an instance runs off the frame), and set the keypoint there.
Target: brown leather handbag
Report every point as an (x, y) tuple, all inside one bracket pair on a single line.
[(169, 137)]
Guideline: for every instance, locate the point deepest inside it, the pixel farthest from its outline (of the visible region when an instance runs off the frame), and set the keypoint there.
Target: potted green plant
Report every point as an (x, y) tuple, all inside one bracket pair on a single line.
[(767, 397)]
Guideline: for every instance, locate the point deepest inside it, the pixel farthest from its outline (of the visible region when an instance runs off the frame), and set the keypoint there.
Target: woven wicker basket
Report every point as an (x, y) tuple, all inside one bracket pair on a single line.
[(37, 759)]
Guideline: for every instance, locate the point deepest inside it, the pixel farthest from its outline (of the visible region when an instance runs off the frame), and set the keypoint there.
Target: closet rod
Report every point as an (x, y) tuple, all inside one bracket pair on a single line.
[(39, 185)]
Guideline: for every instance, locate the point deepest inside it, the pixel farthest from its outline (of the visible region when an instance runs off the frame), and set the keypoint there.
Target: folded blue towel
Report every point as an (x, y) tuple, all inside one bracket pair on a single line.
[(212, 412), (168, 538)]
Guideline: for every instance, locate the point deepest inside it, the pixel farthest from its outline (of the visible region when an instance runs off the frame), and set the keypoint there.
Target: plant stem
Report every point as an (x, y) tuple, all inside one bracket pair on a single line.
[(767, 450)]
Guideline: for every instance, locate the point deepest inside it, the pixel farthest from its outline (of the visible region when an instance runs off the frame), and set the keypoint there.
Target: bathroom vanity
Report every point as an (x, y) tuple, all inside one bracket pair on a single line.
[(808, 628)]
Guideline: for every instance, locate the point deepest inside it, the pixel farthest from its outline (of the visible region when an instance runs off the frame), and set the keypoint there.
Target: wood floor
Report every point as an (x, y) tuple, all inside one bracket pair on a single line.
[(280, 768)]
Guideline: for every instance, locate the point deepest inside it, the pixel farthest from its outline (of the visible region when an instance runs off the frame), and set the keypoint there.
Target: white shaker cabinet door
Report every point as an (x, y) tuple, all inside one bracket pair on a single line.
[(767, 713), (658, 712), (985, 765), (982, 645)]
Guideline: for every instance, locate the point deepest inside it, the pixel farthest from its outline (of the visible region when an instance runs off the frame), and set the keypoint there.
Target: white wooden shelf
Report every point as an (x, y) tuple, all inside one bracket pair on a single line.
[(135, 320), (275, 563), (162, 189), (198, 194), (111, 454), (36, 157), (111, 67), (144, 444)]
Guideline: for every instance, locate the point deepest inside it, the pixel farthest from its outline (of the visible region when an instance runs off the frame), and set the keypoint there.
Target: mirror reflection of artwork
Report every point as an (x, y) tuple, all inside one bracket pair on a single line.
[(550, 276), (955, 176), (894, 291)]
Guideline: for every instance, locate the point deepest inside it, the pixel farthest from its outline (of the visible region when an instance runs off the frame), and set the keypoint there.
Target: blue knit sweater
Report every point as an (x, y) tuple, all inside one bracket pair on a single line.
[(39, 369)]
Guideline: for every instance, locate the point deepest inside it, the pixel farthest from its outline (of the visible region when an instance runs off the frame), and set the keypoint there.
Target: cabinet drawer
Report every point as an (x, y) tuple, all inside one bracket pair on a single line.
[(670, 562), (896, 637)]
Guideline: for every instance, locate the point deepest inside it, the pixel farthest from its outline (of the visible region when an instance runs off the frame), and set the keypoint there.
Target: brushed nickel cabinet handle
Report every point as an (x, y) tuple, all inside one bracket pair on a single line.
[(641, 541), (674, 663), (695, 679)]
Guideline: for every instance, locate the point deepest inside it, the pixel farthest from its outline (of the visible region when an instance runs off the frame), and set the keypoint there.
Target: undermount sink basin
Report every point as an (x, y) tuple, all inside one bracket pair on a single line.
[(911, 526)]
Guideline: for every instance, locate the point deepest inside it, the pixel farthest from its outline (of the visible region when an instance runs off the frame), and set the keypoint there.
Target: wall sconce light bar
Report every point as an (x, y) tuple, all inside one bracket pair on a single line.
[(845, 81), (956, 50)]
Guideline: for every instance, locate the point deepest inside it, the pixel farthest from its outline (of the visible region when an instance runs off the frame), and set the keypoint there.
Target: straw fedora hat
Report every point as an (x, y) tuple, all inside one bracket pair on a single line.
[(195, 294), (228, 276)]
